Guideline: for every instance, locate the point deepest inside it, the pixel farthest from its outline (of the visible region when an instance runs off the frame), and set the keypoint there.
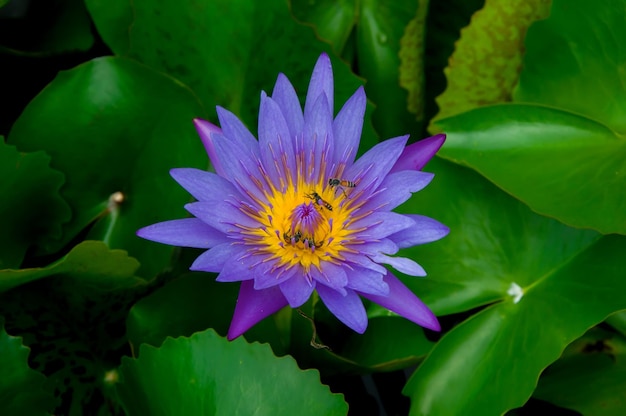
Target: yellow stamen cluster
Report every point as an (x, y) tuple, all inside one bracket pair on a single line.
[(323, 241)]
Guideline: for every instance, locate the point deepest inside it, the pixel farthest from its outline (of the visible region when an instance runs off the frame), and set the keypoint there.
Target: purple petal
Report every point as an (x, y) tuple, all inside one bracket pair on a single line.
[(213, 260), (234, 129), (240, 268), (207, 131), (425, 230), (347, 308), (276, 146), (401, 264), (318, 136), (297, 290), (187, 232), (266, 274), (203, 185), (285, 96), (253, 306), (416, 155), (404, 302), (321, 83), (367, 281), (240, 167), (371, 168), (381, 224), (223, 216), (371, 248), (364, 261), (396, 189), (347, 129), (331, 275)]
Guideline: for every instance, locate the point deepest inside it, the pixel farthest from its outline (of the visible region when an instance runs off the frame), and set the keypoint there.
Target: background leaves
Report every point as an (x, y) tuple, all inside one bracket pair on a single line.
[(224, 64), (29, 185), (108, 134), (580, 154), (589, 376), (21, 388), (487, 59), (574, 62)]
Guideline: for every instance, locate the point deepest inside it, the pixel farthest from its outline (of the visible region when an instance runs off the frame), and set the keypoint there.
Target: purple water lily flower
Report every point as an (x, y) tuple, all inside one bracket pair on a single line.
[(294, 213)]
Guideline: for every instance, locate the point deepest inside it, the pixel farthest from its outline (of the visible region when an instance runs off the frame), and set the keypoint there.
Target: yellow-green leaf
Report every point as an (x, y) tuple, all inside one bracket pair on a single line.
[(412, 61), (486, 62)]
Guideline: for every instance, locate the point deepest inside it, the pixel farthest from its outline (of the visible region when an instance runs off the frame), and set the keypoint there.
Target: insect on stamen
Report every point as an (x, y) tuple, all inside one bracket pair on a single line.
[(341, 184), (319, 201)]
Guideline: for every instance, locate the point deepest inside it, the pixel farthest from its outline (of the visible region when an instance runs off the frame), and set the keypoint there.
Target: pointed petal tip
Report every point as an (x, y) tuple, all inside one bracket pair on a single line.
[(141, 232), (405, 303), (358, 100), (253, 306), (205, 130), (433, 325), (231, 337), (321, 81), (205, 126), (415, 156), (179, 173), (323, 57), (322, 65), (361, 328)]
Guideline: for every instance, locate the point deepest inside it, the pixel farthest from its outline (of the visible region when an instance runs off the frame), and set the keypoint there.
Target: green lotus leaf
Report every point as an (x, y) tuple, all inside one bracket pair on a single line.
[(561, 164), (206, 374), (519, 336)]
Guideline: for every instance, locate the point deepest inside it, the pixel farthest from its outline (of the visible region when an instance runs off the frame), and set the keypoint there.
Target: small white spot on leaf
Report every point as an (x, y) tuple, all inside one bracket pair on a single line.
[(516, 292)]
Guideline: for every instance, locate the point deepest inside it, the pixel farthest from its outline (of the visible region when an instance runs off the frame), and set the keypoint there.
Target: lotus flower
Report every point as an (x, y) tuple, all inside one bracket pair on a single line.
[(294, 213)]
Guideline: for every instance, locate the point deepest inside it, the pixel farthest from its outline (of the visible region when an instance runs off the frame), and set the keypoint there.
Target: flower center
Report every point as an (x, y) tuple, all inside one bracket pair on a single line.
[(304, 225)]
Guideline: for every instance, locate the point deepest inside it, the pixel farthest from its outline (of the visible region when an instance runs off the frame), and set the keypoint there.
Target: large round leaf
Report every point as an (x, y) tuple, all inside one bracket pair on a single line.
[(574, 60), (208, 375), (553, 282), (112, 125), (494, 241), (492, 361), (561, 164)]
